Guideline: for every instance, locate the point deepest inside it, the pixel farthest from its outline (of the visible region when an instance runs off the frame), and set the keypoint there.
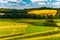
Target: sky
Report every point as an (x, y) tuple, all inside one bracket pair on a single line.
[(21, 4)]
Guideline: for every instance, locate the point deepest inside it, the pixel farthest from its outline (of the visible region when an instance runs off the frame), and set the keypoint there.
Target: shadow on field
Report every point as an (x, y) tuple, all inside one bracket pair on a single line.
[(38, 35), (42, 24), (11, 35)]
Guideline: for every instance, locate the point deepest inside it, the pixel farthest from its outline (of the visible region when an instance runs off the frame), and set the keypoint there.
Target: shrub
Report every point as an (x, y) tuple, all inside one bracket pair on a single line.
[(50, 22)]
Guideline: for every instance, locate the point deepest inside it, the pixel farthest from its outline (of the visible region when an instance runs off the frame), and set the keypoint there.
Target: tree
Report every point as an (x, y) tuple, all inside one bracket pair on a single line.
[(50, 21)]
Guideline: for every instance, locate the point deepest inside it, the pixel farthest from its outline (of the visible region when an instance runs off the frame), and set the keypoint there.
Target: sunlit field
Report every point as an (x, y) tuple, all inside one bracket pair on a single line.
[(10, 27), (17, 27), (43, 12)]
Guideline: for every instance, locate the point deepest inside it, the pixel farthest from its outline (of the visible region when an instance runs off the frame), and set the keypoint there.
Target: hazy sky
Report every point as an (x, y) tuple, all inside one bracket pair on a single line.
[(18, 4)]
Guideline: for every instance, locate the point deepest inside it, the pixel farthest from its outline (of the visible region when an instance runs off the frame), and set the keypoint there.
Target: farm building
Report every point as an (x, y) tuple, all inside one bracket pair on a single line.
[(43, 12), (2, 13)]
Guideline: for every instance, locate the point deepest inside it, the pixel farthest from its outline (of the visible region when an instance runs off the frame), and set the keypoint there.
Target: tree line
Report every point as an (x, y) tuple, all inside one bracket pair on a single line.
[(23, 13)]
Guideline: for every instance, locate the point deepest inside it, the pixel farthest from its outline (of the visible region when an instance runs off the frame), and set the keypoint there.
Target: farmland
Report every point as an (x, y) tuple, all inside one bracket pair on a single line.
[(20, 27), (30, 24), (43, 12)]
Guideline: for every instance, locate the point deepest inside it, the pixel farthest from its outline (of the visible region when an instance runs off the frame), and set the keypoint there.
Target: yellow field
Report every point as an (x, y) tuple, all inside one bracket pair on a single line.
[(11, 28), (43, 12)]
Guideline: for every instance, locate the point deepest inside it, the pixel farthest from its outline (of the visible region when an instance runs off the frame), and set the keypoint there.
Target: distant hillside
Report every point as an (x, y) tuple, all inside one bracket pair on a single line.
[(23, 13)]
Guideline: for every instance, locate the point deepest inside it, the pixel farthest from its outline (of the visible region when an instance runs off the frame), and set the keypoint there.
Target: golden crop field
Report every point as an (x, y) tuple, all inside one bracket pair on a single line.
[(22, 29), (11, 28), (43, 12)]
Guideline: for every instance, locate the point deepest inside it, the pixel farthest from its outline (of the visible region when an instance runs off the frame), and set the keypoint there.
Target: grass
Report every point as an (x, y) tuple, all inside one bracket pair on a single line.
[(38, 29), (52, 38), (19, 26), (16, 24), (11, 28)]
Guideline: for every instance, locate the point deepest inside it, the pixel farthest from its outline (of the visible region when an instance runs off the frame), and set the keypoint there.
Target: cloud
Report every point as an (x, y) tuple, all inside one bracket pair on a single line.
[(58, 0), (53, 4), (11, 4), (3, 1), (41, 4), (38, 0), (27, 5), (19, 1), (33, 3), (56, 3), (13, 0), (12, 7)]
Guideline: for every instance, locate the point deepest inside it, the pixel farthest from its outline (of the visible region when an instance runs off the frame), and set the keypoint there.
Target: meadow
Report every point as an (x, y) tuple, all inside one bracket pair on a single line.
[(19, 27)]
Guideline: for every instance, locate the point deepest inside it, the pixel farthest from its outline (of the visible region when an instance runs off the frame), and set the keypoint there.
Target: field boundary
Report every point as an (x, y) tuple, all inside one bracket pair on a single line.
[(39, 34)]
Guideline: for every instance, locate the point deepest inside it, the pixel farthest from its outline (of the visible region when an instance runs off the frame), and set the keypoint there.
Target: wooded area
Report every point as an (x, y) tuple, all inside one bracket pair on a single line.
[(23, 13)]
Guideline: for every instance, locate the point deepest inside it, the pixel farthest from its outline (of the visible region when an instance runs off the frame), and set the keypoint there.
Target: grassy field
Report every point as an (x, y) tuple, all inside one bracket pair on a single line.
[(13, 27), (34, 29), (10, 27)]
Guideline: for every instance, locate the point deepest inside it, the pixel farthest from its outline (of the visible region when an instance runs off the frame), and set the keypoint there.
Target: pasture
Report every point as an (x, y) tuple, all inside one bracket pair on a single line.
[(14, 27)]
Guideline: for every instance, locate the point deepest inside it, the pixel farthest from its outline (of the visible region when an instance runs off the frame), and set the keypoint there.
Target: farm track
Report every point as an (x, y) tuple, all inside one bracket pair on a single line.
[(34, 36), (44, 37)]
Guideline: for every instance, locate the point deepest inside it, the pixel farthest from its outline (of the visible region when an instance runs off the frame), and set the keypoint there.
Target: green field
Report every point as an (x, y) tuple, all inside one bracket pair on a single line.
[(34, 29), (14, 27)]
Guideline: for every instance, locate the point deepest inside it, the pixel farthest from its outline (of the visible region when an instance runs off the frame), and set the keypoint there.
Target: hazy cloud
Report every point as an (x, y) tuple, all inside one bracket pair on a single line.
[(38, 0), (58, 0), (33, 3), (3, 1), (41, 4)]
